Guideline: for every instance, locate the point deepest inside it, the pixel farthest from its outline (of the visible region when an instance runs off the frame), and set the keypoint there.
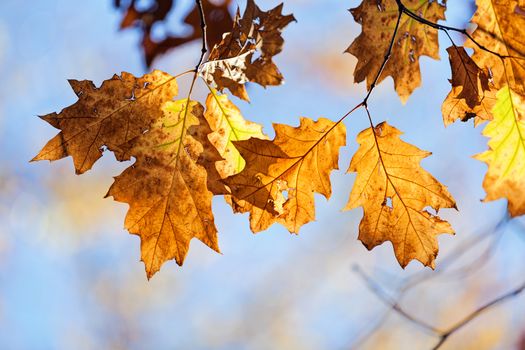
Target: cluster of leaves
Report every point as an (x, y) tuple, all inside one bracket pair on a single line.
[(186, 152)]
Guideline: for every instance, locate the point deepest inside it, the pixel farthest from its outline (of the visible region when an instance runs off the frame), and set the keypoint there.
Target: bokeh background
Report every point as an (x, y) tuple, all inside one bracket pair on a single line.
[(70, 276)]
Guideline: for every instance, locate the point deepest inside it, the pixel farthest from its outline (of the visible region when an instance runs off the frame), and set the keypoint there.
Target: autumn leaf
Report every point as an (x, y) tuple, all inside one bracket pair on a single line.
[(501, 28), (167, 187), (394, 192), (472, 95), (121, 109), (246, 53), (465, 73), (454, 109), (282, 175), (506, 155), (413, 40), (228, 126)]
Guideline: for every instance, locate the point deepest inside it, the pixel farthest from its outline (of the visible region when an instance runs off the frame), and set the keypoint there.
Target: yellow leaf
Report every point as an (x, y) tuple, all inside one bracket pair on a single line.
[(228, 125), (505, 177), (394, 191), (112, 115), (166, 188), (282, 175), (413, 39)]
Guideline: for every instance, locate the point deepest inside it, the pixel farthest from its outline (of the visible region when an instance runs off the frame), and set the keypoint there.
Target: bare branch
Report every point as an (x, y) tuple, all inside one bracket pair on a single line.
[(513, 293)]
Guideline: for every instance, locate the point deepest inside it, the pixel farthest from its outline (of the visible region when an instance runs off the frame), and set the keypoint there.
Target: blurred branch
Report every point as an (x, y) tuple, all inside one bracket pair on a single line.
[(394, 305), (443, 334), (509, 295)]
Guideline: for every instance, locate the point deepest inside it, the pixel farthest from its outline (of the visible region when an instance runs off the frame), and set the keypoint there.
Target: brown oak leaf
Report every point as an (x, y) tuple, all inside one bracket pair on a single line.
[(246, 53), (167, 188), (282, 175), (121, 109), (394, 191), (472, 94), (413, 40)]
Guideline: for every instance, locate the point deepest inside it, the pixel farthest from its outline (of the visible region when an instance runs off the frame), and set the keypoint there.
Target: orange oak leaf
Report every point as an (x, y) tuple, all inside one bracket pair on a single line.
[(501, 28), (394, 191), (472, 94), (413, 40), (246, 53), (121, 109), (167, 188), (282, 175)]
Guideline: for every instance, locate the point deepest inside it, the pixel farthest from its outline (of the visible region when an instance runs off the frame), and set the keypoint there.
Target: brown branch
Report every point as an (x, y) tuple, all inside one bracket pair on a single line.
[(203, 31), (446, 28)]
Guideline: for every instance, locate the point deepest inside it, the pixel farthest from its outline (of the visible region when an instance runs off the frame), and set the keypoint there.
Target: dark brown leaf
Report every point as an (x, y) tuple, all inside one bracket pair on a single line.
[(245, 54)]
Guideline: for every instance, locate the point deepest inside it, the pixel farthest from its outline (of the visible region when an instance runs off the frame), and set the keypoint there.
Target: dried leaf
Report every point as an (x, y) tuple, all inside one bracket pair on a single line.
[(281, 176), (472, 95), (110, 116), (413, 39), (234, 61), (505, 177), (501, 28), (166, 188), (228, 126), (394, 191)]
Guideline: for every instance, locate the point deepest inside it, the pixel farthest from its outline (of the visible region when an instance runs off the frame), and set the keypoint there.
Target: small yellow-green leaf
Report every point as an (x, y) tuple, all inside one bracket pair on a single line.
[(505, 177), (229, 125)]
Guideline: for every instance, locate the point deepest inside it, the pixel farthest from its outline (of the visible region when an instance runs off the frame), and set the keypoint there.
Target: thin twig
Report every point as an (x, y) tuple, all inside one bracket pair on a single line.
[(446, 28), (196, 70), (386, 58), (204, 48)]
